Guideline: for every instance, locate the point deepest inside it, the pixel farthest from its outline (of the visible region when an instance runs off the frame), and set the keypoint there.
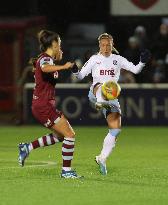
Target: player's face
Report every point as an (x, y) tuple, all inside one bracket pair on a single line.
[(106, 46), (56, 48)]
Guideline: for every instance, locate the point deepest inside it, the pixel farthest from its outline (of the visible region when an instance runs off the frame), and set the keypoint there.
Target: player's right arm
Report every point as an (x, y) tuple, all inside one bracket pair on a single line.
[(46, 68), (86, 69), (47, 65)]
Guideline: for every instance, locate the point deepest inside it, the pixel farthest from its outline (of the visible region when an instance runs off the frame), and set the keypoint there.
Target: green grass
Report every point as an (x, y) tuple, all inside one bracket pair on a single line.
[(137, 169)]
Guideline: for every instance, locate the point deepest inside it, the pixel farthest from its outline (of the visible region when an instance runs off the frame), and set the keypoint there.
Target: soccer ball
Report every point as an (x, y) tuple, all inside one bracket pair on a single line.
[(110, 90)]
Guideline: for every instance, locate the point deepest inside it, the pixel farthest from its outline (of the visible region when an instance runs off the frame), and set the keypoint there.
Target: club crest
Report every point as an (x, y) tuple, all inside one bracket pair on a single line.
[(144, 4), (114, 62)]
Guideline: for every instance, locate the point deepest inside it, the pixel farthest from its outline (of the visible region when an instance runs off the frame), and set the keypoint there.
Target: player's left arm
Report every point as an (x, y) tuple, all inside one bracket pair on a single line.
[(144, 58)]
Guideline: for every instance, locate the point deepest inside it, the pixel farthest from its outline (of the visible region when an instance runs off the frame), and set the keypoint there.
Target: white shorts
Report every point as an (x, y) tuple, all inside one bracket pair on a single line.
[(115, 105)]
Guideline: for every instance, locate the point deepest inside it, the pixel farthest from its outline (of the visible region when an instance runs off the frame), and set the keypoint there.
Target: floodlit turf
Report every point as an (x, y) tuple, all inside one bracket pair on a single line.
[(137, 169)]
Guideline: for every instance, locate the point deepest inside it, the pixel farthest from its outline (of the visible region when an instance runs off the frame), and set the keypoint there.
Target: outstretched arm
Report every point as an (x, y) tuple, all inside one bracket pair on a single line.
[(46, 68), (144, 58), (47, 65)]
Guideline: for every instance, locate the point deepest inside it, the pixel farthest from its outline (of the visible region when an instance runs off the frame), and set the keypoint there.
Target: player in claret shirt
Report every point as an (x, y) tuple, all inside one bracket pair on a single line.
[(44, 110), (105, 66)]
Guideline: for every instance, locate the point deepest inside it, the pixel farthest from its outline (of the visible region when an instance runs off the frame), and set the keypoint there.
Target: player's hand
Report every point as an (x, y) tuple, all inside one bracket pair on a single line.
[(145, 56), (68, 65)]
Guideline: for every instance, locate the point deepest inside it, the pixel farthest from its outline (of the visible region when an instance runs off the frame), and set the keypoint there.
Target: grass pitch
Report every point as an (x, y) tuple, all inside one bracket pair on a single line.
[(137, 169)]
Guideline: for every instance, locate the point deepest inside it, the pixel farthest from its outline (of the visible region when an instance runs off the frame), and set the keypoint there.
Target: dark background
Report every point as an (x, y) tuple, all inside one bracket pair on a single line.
[(60, 14)]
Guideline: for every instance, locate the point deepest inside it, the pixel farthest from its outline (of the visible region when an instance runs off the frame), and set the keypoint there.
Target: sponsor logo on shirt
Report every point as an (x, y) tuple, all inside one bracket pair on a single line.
[(107, 72)]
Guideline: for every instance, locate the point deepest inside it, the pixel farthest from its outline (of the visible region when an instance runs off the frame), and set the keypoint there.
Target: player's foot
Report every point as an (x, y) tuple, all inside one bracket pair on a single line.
[(23, 153), (70, 174), (101, 105), (102, 165)]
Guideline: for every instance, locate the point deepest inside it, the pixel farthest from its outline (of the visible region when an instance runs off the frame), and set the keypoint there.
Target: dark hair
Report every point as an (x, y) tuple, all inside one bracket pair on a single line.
[(46, 38)]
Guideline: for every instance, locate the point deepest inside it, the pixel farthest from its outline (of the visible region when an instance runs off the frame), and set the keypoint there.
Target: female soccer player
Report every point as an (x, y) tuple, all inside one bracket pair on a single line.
[(106, 66), (43, 103)]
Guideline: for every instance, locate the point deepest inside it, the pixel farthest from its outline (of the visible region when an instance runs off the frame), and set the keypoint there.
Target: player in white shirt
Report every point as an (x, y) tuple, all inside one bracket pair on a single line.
[(106, 66)]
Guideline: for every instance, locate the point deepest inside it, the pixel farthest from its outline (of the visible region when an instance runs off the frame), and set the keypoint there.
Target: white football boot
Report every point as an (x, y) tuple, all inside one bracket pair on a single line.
[(102, 165)]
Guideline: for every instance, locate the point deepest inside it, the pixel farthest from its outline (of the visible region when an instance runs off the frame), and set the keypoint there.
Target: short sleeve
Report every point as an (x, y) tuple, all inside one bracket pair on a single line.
[(46, 61)]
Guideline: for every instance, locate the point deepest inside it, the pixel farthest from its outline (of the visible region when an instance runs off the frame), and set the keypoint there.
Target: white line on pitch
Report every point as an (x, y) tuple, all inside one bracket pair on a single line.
[(44, 163)]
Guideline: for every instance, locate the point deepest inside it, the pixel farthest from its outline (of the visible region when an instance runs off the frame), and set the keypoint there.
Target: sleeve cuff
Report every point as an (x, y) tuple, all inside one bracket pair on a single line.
[(141, 64)]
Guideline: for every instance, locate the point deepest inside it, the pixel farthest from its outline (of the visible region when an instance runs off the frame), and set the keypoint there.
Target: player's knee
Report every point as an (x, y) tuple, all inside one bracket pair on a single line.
[(73, 134), (115, 132), (70, 134)]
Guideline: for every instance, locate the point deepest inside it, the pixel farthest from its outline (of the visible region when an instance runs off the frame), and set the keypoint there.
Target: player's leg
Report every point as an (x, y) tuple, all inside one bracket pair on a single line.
[(46, 115), (111, 111), (100, 101), (63, 127), (114, 124), (46, 140)]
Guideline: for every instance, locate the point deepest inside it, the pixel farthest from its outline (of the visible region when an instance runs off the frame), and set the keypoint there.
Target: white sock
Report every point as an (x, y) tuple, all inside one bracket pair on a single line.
[(108, 145), (66, 168), (30, 147), (99, 95)]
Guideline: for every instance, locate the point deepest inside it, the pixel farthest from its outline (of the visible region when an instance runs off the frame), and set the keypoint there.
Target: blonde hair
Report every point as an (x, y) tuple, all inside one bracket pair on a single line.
[(105, 36)]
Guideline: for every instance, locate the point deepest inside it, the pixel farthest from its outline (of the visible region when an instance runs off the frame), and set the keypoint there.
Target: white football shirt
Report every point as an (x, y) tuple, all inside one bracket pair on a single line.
[(107, 68)]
